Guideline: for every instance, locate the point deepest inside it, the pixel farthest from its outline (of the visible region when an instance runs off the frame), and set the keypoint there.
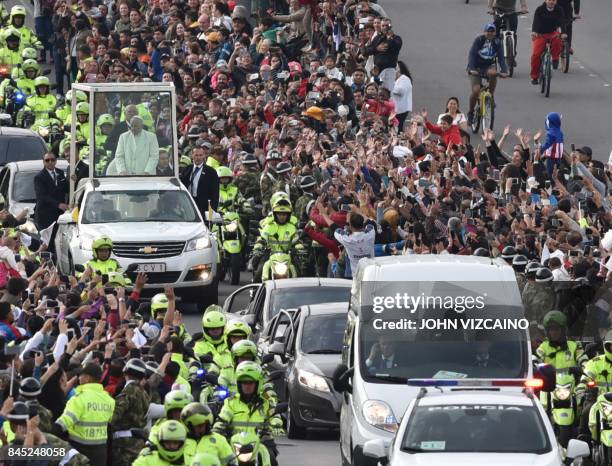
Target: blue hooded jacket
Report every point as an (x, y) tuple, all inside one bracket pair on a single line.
[(554, 135)]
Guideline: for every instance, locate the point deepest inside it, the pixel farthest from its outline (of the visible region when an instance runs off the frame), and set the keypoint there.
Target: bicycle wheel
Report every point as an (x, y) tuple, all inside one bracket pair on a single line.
[(509, 54), (488, 112), (477, 116), (565, 57), (548, 73)]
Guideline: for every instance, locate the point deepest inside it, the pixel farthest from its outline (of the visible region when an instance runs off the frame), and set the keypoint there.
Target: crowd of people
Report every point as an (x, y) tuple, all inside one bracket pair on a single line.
[(304, 109)]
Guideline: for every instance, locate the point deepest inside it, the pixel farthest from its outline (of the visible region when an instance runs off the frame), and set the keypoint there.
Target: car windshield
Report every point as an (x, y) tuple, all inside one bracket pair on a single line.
[(23, 187), (288, 298), (490, 428), (322, 334), (16, 149), (139, 206), (394, 355)]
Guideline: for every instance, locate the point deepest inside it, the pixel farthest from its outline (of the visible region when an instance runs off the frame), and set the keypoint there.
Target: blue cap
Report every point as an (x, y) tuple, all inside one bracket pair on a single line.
[(489, 27)]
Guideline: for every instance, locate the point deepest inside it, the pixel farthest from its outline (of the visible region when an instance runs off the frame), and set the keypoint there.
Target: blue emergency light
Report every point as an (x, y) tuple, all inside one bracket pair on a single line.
[(222, 392), (200, 373), (19, 97)]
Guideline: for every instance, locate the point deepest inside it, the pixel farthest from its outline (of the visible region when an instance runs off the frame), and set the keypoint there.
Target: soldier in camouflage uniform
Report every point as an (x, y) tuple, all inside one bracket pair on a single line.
[(27, 431), (29, 389), (131, 406), (539, 295), (519, 262), (284, 182), (268, 179), (308, 187), (248, 182)]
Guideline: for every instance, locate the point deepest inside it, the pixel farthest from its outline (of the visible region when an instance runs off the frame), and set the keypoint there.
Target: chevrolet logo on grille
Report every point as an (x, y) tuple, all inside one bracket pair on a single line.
[(148, 250)]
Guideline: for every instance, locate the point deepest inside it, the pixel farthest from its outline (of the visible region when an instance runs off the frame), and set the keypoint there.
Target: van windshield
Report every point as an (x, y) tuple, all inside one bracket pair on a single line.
[(443, 346)]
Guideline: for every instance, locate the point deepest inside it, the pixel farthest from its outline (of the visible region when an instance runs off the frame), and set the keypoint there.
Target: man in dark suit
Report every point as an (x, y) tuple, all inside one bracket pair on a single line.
[(51, 187), (383, 356), (202, 181)]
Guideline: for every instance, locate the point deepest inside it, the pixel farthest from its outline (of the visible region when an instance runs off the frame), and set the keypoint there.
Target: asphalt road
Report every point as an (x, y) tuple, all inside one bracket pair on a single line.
[(437, 35)]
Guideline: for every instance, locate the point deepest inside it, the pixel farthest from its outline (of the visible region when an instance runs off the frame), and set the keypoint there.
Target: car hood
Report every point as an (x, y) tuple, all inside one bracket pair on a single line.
[(322, 364), (147, 231), (477, 459)]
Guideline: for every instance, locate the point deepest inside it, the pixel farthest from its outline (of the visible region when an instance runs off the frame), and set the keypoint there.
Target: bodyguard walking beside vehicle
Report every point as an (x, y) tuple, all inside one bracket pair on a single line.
[(51, 187)]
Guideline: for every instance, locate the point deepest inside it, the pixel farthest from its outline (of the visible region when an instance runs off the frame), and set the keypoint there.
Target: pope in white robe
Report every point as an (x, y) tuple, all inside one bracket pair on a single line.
[(137, 150)]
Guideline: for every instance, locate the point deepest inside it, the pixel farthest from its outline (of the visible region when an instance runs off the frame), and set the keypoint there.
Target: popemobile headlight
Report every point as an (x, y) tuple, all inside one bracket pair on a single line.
[(313, 381), (563, 392), (380, 415), (196, 244), (232, 226), (607, 410), (280, 268)]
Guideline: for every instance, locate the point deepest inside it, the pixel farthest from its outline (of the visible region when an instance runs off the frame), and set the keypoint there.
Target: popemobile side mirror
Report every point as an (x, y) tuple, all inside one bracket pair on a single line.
[(79, 268), (548, 375), (341, 378)]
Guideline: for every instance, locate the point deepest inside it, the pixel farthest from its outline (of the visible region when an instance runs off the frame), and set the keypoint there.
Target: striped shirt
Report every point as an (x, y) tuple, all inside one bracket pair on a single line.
[(555, 151)]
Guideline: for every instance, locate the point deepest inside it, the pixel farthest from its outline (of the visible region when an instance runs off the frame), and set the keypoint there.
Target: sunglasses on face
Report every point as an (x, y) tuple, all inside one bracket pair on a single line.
[(49, 160)]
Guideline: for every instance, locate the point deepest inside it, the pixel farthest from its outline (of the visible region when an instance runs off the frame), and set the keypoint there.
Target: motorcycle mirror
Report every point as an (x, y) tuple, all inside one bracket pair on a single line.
[(267, 358), (206, 358), (197, 336), (79, 268), (281, 408), (247, 448), (46, 72), (275, 375), (212, 378)]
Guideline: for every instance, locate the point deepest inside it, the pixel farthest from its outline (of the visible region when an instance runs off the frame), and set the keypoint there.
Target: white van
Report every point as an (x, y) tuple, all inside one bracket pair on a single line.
[(460, 345)]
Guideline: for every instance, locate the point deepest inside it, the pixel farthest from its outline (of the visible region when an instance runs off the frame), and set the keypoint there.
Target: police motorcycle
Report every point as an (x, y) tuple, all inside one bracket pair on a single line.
[(601, 430), (205, 385), (562, 405), (231, 239), (278, 266), (249, 450), (50, 129), (14, 101)]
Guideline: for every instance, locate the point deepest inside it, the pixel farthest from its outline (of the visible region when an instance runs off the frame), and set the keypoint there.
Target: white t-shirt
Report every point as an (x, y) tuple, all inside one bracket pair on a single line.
[(358, 245), (458, 120)]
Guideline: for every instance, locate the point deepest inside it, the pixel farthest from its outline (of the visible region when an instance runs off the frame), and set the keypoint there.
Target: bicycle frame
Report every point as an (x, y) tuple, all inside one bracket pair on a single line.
[(505, 31)]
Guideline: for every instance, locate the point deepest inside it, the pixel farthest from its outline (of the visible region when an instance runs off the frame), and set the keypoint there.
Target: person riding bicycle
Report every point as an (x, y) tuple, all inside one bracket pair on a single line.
[(571, 8), (508, 8), (484, 53), (548, 20)]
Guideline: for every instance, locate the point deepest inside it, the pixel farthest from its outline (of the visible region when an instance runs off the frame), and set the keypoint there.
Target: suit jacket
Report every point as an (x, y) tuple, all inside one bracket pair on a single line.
[(377, 363), (48, 197), (208, 187)]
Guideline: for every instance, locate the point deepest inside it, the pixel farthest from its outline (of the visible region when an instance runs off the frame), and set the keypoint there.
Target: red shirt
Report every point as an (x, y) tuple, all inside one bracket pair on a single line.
[(452, 136)]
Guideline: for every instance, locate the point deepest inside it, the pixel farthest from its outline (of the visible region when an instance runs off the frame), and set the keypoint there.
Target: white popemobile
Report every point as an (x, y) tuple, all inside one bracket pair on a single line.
[(152, 220), (474, 423)]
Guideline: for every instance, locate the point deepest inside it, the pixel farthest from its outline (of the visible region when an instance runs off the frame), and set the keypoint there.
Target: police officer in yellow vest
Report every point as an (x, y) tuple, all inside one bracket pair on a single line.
[(198, 418), (556, 349), (250, 411), (65, 112), (82, 125), (174, 402), (17, 20), (278, 236), (102, 262), (42, 103), (599, 371), (10, 54), (230, 198), (26, 54), (168, 448), (213, 341), (25, 82), (87, 415)]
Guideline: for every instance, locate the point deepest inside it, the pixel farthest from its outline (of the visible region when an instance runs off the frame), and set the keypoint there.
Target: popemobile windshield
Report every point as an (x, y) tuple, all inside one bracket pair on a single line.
[(124, 185)]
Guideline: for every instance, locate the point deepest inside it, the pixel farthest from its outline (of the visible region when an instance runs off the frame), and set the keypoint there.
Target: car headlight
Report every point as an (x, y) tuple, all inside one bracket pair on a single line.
[(380, 415), (563, 392), (196, 244), (232, 226), (280, 268), (313, 381), (607, 410), (86, 242)]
